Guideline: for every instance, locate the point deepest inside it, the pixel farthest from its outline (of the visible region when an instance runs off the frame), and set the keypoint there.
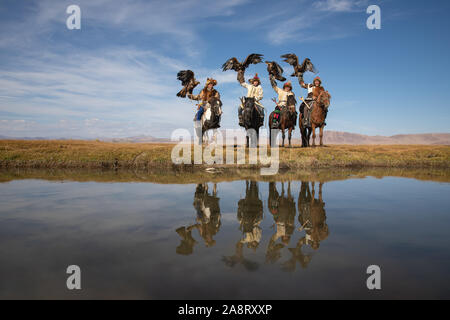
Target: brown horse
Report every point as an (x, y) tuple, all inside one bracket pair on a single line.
[(319, 114), (288, 120)]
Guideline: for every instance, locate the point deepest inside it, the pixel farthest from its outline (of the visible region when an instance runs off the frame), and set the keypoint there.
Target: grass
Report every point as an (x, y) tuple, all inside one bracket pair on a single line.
[(194, 176), (96, 155)]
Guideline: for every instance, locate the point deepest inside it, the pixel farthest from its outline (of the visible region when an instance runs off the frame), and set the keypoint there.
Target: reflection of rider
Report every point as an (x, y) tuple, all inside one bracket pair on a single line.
[(254, 90), (250, 214), (314, 89), (208, 220), (283, 211), (208, 213), (312, 216), (312, 219)]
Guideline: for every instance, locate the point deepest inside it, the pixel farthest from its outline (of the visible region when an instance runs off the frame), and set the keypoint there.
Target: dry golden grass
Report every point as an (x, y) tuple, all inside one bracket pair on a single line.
[(95, 154)]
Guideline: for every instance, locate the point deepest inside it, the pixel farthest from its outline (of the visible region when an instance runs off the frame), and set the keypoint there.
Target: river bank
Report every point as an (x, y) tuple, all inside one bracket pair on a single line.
[(52, 154)]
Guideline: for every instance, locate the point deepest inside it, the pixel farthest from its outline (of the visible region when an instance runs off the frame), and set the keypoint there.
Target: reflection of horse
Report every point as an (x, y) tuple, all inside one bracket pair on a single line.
[(208, 220), (312, 218), (312, 215), (283, 211), (317, 119), (211, 118), (251, 118), (250, 215)]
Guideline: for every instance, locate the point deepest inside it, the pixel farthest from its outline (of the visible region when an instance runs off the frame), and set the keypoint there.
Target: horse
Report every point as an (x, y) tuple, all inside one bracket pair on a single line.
[(288, 120), (211, 118), (318, 114), (251, 117)]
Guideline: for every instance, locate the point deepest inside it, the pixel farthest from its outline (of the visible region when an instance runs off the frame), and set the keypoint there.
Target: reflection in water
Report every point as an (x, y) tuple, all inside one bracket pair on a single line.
[(122, 235), (208, 220), (250, 215), (312, 219), (283, 212)]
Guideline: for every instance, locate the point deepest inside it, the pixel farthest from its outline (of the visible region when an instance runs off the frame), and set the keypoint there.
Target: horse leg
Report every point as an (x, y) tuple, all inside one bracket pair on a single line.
[(283, 136), (314, 135), (309, 136), (248, 141), (289, 137), (257, 138), (321, 135)]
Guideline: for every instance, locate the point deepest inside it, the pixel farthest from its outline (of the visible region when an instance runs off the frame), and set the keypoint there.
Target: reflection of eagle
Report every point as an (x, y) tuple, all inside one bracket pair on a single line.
[(234, 64), (299, 69), (188, 82), (275, 70)]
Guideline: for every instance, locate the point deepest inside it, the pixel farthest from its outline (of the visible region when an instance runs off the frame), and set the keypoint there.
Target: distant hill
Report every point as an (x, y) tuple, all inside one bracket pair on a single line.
[(330, 137), (336, 137)]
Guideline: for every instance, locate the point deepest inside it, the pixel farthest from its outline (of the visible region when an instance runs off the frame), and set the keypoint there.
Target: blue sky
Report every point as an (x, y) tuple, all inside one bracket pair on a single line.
[(116, 77)]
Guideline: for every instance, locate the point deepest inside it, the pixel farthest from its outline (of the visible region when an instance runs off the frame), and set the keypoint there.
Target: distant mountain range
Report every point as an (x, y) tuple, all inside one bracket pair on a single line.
[(330, 137)]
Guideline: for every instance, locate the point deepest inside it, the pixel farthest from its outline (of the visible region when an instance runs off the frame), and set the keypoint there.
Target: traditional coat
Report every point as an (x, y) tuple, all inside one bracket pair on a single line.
[(282, 95), (205, 95), (254, 92), (313, 91)]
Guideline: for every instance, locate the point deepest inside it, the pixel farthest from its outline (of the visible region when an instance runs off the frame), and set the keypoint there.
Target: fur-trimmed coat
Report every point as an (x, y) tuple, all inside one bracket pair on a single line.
[(313, 91), (205, 95)]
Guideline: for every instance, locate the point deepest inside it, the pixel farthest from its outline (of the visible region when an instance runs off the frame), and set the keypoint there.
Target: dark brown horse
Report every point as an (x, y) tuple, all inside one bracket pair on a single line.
[(252, 119), (288, 120)]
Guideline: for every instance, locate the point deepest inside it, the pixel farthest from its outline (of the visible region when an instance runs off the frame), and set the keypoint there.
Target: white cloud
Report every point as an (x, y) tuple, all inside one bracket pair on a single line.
[(339, 5)]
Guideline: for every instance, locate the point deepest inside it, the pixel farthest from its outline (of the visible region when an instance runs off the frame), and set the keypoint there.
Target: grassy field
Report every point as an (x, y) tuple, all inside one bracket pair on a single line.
[(96, 154)]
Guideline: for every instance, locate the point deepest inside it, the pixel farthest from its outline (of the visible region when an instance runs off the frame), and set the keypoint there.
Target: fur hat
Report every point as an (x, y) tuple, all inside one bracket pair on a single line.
[(287, 84), (255, 78), (211, 81), (317, 78)]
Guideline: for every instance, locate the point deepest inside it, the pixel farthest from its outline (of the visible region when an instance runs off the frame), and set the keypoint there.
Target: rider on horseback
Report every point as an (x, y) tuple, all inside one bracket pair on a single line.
[(206, 97), (314, 90), (254, 90), (286, 98)]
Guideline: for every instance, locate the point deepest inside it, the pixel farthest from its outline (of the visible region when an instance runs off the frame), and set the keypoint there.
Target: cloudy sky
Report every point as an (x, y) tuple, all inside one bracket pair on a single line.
[(116, 77)]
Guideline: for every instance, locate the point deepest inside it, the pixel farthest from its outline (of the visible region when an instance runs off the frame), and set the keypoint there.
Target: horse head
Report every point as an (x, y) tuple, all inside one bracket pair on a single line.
[(248, 102), (215, 104), (324, 99)]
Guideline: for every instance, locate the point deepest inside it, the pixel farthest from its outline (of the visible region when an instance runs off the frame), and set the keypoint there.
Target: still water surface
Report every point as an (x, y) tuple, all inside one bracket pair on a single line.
[(230, 240)]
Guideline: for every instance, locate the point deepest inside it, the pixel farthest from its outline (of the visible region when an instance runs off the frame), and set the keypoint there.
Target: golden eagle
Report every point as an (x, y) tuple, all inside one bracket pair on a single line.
[(275, 70), (234, 64), (188, 82), (299, 69)]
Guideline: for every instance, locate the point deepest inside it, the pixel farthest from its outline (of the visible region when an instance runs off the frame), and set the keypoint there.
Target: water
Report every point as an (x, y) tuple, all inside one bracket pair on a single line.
[(230, 240)]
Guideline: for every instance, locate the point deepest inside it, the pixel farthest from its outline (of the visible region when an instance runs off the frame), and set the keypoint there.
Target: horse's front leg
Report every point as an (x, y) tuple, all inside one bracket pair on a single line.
[(289, 137), (283, 135), (313, 129), (321, 135)]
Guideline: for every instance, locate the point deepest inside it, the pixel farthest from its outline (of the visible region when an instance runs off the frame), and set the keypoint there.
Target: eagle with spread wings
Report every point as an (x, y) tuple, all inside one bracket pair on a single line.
[(299, 69), (275, 70), (234, 64), (188, 82)]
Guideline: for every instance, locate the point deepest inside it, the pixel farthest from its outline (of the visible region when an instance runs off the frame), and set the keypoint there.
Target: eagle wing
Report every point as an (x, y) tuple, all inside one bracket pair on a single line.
[(232, 64), (291, 58), (307, 66), (275, 70), (253, 58)]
